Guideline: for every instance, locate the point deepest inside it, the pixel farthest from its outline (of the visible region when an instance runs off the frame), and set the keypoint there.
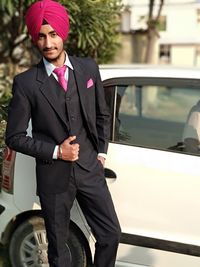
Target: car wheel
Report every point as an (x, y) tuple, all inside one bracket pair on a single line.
[(28, 246)]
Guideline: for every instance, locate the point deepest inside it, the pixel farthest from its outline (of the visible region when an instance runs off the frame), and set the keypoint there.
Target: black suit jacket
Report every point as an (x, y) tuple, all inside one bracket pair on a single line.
[(34, 98)]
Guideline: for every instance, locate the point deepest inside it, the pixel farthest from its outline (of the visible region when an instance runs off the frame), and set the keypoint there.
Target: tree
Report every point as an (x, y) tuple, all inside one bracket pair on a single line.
[(145, 39), (93, 29), (152, 32)]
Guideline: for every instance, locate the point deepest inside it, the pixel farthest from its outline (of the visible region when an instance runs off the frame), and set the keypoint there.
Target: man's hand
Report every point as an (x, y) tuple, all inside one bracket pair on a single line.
[(101, 159), (69, 151)]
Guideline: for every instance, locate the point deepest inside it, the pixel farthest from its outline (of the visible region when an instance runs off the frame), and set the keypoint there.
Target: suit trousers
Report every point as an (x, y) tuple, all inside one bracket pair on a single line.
[(91, 191)]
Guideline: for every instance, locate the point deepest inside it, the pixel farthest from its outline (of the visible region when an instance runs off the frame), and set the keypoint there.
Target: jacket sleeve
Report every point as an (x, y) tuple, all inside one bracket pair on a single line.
[(102, 115), (19, 115)]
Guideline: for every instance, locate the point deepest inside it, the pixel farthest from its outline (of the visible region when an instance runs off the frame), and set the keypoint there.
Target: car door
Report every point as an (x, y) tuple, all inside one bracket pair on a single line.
[(154, 180)]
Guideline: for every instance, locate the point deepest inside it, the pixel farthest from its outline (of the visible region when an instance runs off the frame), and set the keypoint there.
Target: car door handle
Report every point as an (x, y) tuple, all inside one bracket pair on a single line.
[(110, 174)]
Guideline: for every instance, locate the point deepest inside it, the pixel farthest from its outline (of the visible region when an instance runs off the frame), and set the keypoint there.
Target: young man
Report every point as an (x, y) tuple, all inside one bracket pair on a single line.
[(64, 98)]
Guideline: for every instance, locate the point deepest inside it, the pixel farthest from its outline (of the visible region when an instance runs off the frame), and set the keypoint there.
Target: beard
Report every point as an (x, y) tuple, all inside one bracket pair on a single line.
[(54, 55)]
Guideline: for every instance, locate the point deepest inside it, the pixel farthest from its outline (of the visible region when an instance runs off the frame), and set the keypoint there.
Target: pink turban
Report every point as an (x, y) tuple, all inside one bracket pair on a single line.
[(53, 13)]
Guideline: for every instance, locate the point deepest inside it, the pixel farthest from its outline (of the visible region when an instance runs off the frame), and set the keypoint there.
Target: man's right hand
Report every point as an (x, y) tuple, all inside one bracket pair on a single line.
[(70, 152)]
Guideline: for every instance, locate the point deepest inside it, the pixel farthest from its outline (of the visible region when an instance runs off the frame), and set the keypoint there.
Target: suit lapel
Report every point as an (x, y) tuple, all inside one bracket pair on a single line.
[(48, 90)]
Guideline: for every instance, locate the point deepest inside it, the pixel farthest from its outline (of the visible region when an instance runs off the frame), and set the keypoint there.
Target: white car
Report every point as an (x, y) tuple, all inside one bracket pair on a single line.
[(153, 177)]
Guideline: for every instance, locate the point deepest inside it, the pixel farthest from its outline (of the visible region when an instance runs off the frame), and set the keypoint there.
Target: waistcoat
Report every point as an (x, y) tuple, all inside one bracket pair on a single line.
[(70, 104)]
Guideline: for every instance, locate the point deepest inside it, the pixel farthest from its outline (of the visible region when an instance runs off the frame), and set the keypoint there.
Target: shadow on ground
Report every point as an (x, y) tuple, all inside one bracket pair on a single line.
[(4, 262)]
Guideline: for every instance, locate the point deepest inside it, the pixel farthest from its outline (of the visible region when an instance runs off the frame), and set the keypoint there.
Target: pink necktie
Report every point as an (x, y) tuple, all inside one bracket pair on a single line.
[(60, 72)]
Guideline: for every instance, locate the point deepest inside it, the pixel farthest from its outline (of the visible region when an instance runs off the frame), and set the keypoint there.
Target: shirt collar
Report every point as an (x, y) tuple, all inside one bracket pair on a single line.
[(50, 67)]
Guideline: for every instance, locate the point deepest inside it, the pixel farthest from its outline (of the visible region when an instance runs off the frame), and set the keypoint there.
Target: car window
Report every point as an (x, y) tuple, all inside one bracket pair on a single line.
[(154, 113)]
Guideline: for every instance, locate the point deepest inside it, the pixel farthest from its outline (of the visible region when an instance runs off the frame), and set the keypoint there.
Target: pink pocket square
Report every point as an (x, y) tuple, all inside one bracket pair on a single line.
[(89, 83)]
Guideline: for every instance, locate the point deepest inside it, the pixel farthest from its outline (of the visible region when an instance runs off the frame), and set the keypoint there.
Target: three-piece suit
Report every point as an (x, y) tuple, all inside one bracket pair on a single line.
[(55, 115)]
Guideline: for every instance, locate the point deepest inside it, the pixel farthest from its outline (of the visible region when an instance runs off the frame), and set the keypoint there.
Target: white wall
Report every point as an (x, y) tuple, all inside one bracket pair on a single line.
[(182, 55)]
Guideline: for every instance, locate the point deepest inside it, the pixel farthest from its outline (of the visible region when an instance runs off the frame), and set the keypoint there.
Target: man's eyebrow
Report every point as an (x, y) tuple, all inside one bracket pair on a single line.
[(43, 34), (51, 32)]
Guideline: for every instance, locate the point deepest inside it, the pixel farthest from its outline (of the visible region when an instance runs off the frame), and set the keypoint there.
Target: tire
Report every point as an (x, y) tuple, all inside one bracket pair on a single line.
[(28, 245)]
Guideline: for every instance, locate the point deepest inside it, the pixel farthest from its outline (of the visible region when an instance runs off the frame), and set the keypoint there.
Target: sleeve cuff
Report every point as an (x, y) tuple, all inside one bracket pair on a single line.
[(55, 153), (103, 155)]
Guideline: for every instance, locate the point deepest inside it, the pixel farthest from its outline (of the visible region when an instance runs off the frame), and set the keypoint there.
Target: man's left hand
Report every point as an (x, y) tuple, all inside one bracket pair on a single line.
[(102, 159)]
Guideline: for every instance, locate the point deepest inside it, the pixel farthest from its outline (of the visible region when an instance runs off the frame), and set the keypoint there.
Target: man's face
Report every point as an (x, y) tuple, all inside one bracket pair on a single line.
[(49, 43)]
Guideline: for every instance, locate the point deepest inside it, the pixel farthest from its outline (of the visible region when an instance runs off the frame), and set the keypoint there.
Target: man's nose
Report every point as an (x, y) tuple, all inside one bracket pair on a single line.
[(48, 43)]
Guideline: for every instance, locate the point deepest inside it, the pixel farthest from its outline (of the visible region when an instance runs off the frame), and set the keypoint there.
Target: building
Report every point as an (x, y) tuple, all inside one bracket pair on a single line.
[(179, 32)]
